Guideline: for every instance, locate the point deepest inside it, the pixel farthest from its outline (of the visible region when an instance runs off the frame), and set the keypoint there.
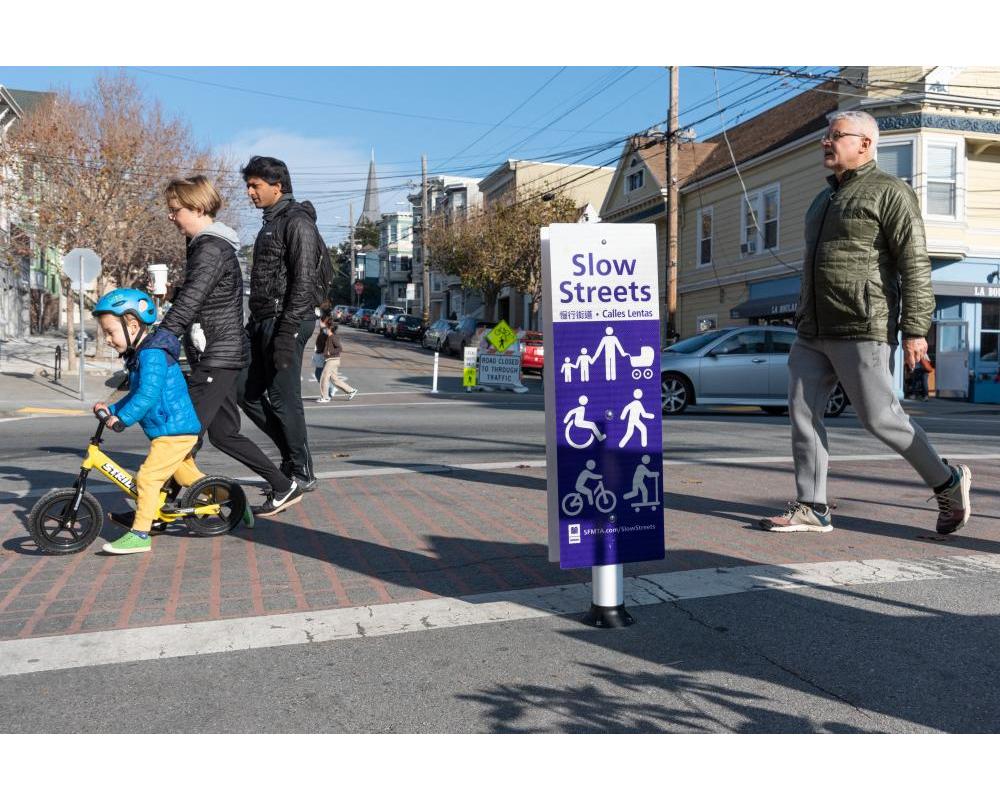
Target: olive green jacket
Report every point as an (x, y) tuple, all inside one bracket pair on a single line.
[(866, 273)]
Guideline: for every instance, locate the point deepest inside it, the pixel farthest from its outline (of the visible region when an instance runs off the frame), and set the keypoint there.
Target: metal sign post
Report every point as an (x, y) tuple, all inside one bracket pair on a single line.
[(604, 445), (81, 265), (83, 341)]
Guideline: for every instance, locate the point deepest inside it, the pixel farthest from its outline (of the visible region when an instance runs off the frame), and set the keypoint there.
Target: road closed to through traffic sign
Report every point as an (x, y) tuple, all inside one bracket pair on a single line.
[(602, 394)]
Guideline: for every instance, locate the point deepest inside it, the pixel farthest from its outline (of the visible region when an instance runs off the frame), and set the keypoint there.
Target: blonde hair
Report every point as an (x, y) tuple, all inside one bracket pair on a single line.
[(195, 193)]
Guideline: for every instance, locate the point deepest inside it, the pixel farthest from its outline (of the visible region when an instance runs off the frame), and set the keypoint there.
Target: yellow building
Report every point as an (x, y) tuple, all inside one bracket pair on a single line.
[(741, 231)]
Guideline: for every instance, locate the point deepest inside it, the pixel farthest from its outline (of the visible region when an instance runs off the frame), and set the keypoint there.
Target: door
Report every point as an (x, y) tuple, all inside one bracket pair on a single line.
[(952, 366), (781, 346), (737, 367)]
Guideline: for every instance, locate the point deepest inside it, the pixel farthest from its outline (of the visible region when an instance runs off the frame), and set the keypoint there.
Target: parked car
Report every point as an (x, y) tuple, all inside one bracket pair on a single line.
[(532, 352), (741, 366), (338, 312), (377, 323), (348, 315), (361, 318), (405, 326), (434, 337), (464, 334)]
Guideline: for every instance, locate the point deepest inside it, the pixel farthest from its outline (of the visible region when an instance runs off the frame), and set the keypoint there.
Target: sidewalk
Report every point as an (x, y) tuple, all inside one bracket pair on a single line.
[(378, 539)]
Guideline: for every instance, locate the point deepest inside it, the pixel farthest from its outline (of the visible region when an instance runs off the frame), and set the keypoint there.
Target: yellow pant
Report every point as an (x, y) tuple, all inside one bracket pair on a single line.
[(168, 456)]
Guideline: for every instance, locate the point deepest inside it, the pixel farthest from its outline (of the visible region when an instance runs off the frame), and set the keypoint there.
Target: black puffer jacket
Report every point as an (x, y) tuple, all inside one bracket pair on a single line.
[(286, 264), (212, 295)]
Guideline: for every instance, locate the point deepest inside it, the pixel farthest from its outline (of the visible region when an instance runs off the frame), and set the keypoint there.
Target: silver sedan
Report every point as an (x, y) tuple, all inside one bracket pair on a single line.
[(733, 366)]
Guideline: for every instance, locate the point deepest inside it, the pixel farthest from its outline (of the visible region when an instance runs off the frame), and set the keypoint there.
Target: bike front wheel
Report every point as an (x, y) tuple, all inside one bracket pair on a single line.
[(605, 501), (210, 491), (53, 528)]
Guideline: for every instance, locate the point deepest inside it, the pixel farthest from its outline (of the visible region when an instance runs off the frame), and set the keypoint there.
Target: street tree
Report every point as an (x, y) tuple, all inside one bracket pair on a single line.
[(500, 246), (89, 171)]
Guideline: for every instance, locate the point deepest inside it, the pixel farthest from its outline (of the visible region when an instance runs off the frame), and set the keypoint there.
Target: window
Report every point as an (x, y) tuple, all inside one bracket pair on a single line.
[(704, 237), (897, 159), (744, 343), (708, 322), (989, 337), (942, 179), (760, 221), (634, 181), (781, 342)]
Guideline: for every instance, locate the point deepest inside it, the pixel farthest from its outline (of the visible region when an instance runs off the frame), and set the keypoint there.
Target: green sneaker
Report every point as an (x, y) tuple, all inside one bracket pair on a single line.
[(131, 542)]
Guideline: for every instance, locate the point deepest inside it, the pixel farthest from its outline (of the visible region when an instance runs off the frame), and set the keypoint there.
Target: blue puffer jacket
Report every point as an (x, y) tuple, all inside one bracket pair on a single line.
[(158, 396)]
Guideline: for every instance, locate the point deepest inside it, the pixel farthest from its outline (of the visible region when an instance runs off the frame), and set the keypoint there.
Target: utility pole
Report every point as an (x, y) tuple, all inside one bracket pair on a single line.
[(672, 201), (425, 216), (354, 258)]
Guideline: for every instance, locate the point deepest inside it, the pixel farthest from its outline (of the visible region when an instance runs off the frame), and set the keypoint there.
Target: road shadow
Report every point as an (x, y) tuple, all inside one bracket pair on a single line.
[(827, 660)]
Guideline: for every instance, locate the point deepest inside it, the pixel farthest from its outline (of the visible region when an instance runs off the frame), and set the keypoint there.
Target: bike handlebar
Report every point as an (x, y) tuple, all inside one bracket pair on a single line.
[(104, 416)]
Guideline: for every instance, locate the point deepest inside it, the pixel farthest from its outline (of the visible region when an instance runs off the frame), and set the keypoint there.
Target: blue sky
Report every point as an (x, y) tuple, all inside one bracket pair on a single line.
[(324, 121)]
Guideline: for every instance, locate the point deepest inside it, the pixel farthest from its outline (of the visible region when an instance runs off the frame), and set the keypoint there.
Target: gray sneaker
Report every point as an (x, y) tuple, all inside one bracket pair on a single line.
[(954, 507), (798, 517)]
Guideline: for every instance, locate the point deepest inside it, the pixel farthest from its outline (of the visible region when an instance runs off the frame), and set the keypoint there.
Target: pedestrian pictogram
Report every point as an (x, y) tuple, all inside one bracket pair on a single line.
[(469, 376), (501, 337)]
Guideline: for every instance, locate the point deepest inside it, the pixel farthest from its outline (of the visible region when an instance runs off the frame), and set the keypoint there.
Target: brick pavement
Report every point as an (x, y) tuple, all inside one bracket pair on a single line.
[(383, 539)]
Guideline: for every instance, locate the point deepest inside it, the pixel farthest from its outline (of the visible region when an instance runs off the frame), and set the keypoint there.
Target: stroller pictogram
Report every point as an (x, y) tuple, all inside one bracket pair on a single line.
[(642, 364)]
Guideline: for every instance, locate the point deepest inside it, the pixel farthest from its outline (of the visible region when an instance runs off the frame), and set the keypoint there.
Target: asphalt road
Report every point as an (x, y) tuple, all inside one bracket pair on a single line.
[(894, 658), (889, 656), (395, 421)]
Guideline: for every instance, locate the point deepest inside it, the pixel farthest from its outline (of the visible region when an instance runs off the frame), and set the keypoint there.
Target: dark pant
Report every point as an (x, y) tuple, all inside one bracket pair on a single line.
[(272, 398), (213, 392)]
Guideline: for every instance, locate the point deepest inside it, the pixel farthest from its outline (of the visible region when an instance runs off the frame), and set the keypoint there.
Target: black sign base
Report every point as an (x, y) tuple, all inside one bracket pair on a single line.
[(607, 617)]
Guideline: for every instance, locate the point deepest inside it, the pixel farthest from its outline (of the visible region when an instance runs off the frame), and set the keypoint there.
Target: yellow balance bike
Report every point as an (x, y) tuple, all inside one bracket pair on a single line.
[(65, 521)]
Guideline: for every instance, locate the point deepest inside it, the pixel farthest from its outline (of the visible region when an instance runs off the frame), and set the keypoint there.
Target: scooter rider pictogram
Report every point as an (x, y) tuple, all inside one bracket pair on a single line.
[(639, 486)]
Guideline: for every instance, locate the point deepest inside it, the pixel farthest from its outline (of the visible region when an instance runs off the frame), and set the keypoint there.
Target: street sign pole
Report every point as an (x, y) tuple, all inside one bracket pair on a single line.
[(87, 264), (83, 355)]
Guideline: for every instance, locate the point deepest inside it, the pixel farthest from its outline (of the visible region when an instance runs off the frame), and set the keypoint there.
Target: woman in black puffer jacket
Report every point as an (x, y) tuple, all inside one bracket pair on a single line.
[(207, 315)]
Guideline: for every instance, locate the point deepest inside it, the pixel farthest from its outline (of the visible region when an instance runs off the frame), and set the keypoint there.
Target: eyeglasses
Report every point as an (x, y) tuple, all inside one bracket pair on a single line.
[(836, 136), (173, 212)]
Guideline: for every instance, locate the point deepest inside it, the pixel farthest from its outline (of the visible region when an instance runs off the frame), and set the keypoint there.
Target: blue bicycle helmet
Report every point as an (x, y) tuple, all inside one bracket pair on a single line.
[(127, 301)]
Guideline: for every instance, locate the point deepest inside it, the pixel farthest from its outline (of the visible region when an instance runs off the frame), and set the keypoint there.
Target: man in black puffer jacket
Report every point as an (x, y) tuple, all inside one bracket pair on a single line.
[(207, 314), (284, 284)]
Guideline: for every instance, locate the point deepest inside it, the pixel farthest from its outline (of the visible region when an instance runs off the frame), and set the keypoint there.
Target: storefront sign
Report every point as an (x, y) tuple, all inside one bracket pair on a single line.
[(602, 394)]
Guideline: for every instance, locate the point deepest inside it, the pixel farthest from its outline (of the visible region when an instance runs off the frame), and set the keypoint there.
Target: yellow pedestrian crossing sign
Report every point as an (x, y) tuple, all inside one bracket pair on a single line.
[(469, 376), (501, 337)]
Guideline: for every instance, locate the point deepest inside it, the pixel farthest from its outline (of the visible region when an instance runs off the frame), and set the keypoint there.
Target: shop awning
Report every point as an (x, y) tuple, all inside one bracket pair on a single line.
[(756, 307)]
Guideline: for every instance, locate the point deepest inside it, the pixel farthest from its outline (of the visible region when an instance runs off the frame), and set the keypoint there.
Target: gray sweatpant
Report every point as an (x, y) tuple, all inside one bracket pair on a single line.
[(864, 369)]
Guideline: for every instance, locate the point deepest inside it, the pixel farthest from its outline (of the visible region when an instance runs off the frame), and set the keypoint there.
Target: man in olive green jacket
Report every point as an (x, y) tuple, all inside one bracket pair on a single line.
[(866, 277)]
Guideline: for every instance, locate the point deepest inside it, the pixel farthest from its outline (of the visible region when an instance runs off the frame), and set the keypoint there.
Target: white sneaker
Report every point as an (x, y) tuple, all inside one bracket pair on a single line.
[(333, 393), (352, 394), (322, 399)]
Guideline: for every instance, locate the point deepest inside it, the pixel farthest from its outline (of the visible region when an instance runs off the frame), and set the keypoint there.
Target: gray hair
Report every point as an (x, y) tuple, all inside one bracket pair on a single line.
[(865, 120)]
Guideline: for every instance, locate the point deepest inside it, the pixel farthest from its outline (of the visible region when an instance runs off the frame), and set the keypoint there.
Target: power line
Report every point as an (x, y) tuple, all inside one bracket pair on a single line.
[(314, 101), (521, 105)]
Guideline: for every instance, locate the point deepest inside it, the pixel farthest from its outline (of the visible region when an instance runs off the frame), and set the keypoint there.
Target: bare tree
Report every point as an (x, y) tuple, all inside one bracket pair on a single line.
[(90, 171)]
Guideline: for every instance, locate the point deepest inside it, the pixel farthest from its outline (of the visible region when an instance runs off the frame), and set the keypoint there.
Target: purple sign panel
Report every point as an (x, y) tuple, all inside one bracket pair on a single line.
[(602, 394)]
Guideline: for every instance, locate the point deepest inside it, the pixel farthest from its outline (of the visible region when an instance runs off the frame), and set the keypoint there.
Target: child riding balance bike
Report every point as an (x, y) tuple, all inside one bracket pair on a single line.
[(68, 520)]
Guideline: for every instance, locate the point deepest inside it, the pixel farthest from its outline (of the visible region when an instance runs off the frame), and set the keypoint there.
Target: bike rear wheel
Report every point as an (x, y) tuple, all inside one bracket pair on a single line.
[(50, 526), (212, 490)]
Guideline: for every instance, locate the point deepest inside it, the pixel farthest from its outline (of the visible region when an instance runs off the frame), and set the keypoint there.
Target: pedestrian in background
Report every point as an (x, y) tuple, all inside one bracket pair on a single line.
[(331, 369), (207, 315), (285, 288), (866, 277), (319, 359)]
